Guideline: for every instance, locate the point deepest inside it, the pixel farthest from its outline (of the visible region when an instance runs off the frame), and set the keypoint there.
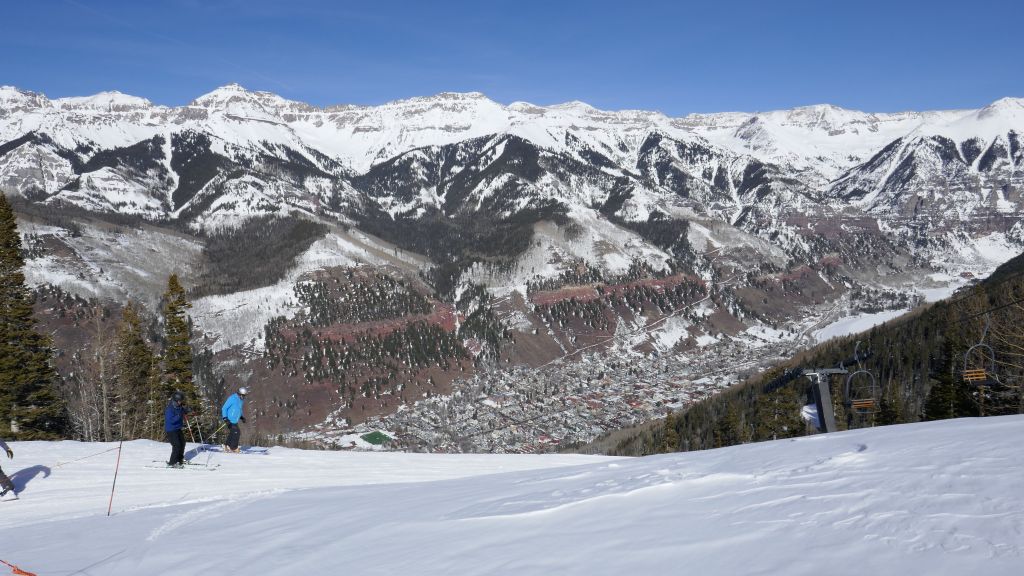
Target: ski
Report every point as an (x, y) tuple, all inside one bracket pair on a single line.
[(197, 467), (186, 463), (242, 450), (9, 496)]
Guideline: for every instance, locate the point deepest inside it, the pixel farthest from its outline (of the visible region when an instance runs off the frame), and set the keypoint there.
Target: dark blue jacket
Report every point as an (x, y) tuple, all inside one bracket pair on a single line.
[(173, 417)]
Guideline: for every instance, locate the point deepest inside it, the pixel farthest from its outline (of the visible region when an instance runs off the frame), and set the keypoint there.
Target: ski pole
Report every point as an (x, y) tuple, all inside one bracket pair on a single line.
[(214, 433), (188, 423), (199, 429), (202, 442), (116, 468)]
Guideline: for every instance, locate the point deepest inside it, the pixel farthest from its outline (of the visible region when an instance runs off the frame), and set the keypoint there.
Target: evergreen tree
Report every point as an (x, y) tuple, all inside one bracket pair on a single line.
[(670, 438), (777, 415), (890, 410), (133, 371), (941, 403), (178, 344), (29, 405), (728, 428)]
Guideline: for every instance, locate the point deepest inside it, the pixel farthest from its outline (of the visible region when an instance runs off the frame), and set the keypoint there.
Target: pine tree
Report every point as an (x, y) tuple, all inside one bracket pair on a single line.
[(29, 405), (728, 427), (941, 403), (178, 344), (890, 410), (133, 371), (777, 415), (670, 438)]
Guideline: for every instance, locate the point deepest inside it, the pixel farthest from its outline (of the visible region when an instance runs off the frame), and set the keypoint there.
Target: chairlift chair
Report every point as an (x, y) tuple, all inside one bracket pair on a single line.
[(977, 372), (861, 392)]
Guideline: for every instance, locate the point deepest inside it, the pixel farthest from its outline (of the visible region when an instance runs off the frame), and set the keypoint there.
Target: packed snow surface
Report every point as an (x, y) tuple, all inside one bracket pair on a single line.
[(933, 498), (856, 324)]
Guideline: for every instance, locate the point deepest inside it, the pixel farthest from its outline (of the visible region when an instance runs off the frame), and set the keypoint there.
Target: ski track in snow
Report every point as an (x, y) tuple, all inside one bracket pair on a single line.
[(932, 498)]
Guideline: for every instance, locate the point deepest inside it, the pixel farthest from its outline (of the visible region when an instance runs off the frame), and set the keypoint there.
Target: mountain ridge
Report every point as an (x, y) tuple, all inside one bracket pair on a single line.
[(236, 88), (541, 233)]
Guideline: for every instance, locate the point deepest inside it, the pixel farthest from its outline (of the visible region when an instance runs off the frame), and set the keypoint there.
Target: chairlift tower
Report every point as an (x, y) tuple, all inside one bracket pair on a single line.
[(819, 378)]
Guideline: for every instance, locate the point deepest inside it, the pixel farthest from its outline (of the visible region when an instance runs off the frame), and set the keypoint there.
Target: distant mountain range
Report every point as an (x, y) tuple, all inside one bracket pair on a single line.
[(781, 214), (164, 161)]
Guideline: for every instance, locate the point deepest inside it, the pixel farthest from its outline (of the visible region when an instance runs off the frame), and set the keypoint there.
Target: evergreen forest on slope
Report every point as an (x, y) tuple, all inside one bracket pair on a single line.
[(917, 360)]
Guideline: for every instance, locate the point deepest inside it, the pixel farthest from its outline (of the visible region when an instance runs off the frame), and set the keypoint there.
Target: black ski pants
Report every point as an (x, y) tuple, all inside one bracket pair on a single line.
[(5, 482), (234, 434), (177, 440)]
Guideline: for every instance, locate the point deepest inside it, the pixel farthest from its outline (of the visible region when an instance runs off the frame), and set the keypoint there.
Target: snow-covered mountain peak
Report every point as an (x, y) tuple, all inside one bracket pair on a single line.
[(232, 93), (461, 96), (225, 93), (445, 99), (824, 138), (526, 108), (229, 93), (14, 99), (827, 117), (987, 124), (233, 99), (108, 101), (444, 111), (574, 105), (8, 91), (1008, 105), (819, 108)]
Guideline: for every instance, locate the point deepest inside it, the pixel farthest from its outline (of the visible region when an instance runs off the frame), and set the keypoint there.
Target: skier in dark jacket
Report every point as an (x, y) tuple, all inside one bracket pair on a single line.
[(231, 412), (5, 483), (174, 418)]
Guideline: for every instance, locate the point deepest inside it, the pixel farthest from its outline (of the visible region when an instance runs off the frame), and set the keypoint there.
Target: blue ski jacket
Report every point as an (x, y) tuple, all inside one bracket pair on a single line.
[(173, 417), (232, 409)]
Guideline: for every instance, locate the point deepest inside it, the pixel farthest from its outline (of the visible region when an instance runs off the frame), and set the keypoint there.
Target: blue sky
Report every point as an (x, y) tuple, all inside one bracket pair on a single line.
[(677, 57)]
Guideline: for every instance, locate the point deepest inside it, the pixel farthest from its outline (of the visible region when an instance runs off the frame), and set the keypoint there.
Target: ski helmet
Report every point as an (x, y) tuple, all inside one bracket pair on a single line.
[(177, 396), (243, 391)]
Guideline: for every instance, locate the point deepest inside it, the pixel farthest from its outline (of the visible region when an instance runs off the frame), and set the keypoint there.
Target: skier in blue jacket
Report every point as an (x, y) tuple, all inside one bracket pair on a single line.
[(231, 412), (174, 417)]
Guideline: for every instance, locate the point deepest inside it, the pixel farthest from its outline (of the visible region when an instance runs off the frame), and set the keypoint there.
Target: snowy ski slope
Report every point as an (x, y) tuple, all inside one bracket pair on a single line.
[(933, 498)]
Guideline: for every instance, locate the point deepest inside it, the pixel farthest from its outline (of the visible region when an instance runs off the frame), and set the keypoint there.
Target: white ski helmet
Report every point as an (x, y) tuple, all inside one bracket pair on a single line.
[(243, 391)]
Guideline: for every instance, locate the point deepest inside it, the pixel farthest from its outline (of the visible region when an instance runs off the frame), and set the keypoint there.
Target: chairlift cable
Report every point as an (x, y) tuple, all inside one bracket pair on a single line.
[(1000, 307)]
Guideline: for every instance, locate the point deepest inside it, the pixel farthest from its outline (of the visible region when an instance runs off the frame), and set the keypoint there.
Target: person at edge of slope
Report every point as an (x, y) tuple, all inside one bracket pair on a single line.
[(174, 416), (231, 412), (5, 483)]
